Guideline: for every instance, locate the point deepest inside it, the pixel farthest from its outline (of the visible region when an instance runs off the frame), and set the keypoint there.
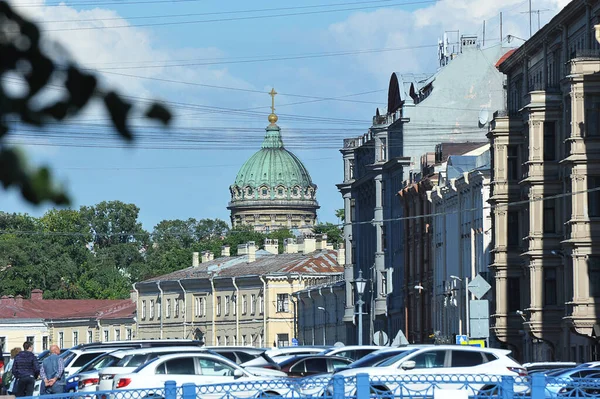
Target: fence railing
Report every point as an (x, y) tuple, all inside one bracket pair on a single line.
[(363, 386)]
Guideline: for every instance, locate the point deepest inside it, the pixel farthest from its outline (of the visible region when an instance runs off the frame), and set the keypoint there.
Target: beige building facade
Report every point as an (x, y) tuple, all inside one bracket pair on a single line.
[(244, 300), (545, 162)]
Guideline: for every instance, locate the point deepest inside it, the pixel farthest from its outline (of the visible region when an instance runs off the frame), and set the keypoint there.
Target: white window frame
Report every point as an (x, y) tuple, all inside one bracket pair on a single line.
[(106, 335), (61, 339), (151, 309), (283, 303), (234, 304), (226, 305), (261, 308), (176, 303), (75, 338), (45, 342), (252, 304), (143, 310), (244, 304), (168, 309), (90, 336), (117, 333), (219, 306), (128, 333)]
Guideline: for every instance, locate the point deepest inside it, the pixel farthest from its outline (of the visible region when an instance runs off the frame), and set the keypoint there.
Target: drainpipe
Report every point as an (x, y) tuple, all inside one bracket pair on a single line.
[(266, 307), (214, 311), (336, 313), (161, 308), (237, 313), (184, 306), (137, 311)]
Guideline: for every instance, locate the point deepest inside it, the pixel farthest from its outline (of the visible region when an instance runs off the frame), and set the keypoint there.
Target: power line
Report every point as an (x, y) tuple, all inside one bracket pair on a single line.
[(216, 12), (157, 24), (402, 218)]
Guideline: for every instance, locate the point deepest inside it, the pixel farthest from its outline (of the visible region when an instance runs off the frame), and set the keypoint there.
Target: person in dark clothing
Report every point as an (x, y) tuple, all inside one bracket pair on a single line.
[(25, 369)]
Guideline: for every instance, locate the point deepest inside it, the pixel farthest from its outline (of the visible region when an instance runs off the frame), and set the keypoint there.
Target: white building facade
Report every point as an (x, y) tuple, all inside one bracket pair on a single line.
[(462, 238)]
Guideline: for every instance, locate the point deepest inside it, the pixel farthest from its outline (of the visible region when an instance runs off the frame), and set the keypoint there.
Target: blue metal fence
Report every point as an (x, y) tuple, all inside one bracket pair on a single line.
[(536, 386)]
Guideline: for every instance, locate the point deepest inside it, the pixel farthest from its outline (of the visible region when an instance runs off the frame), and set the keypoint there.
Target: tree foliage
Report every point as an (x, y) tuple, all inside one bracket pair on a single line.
[(25, 57)]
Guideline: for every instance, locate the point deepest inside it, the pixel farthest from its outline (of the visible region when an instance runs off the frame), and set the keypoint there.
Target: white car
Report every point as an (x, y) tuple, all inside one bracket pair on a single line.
[(415, 371), (202, 370), (353, 352), (280, 354)]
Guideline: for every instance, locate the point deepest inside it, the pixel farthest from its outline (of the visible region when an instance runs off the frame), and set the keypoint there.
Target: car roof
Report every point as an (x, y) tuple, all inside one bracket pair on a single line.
[(141, 351), (355, 347), (301, 357), (248, 349)]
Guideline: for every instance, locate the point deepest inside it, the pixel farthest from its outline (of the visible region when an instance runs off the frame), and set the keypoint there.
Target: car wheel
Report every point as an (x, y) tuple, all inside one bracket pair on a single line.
[(269, 395), (488, 391), (381, 392)]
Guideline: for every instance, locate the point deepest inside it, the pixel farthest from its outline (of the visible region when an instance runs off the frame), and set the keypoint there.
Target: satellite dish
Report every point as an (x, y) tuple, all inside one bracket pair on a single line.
[(483, 117), (338, 344), (380, 338)]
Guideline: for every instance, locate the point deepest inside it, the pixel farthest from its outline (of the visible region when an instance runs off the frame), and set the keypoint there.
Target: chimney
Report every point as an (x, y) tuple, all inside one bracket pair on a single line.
[(242, 249), (19, 299), (251, 252), (319, 241), (309, 244), (272, 245), (37, 295), (341, 255), (290, 246), (196, 259), (133, 296), (225, 250), (206, 256), (211, 255)]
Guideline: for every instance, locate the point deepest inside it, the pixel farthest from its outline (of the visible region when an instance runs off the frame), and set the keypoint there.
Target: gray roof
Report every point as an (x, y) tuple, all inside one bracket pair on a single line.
[(317, 263)]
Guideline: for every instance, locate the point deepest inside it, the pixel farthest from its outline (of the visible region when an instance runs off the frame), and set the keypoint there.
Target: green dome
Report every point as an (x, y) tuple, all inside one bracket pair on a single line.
[(273, 173)]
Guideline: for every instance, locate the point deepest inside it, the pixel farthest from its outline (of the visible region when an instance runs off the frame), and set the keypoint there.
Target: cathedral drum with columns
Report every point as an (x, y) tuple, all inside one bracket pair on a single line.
[(273, 190)]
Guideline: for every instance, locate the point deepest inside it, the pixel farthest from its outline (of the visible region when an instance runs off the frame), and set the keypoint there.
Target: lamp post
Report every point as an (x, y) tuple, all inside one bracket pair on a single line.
[(360, 283), (324, 324), (466, 301)]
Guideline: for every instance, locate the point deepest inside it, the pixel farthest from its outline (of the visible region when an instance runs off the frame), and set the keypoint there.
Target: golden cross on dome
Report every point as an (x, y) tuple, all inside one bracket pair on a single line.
[(273, 93)]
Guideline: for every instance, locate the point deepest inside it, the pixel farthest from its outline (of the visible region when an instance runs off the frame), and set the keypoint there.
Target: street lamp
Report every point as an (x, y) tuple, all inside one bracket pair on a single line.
[(324, 324), (360, 283)]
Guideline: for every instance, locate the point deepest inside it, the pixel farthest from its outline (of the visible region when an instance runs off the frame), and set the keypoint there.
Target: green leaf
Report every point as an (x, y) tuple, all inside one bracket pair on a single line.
[(160, 113), (118, 110), (81, 87)]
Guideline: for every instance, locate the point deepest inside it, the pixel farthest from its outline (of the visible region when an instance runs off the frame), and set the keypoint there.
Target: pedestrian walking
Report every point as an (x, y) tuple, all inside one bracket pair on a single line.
[(26, 369), (52, 373)]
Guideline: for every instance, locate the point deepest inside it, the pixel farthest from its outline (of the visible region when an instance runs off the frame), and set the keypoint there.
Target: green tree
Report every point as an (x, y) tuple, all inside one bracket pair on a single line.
[(340, 214), (334, 232), (114, 222), (21, 44)]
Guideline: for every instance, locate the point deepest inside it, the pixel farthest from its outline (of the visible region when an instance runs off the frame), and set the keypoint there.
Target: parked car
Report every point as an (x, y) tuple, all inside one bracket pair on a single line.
[(200, 369), (131, 359), (308, 365), (88, 375), (280, 354), (531, 367), (243, 355), (374, 358), (353, 352), (437, 361), (568, 382)]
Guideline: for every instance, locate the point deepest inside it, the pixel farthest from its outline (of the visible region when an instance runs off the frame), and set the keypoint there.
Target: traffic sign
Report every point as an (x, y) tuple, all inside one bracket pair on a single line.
[(462, 340), (479, 287), (294, 342), (477, 342)]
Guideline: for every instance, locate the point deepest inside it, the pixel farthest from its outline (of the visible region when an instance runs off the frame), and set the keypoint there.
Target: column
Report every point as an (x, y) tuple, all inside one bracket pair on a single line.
[(380, 302)]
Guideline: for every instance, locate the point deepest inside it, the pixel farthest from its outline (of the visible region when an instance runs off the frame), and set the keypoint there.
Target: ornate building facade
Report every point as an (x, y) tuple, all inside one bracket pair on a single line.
[(544, 152), (273, 189)]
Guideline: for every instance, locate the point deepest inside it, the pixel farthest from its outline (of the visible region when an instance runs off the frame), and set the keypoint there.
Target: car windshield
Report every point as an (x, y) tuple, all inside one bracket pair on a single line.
[(100, 362), (68, 357), (373, 359), (392, 360)]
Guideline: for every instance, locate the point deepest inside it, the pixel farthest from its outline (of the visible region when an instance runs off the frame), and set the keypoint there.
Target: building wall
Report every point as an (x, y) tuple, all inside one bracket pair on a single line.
[(461, 247), (221, 314), (544, 253), (14, 333), (320, 315)]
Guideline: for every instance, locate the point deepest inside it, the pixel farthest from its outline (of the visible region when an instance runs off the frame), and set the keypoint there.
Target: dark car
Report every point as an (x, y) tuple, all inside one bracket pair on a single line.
[(307, 365), (245, 355), (374, 358)]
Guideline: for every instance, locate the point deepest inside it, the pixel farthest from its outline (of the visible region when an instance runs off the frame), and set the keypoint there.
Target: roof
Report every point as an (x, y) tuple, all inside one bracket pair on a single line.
[(318, 263), (504, 57), (38, 308)]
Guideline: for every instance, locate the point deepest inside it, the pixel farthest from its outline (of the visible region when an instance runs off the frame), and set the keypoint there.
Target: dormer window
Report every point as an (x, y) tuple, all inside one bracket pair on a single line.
[(295, 191), (280, 192), (264, 192)]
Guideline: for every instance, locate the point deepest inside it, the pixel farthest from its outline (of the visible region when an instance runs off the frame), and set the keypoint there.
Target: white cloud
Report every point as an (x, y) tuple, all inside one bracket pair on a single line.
[(394, 28)]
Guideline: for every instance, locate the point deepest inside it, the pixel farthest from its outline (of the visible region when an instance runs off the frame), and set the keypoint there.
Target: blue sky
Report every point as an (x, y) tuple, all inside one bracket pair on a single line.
[(179, 183)]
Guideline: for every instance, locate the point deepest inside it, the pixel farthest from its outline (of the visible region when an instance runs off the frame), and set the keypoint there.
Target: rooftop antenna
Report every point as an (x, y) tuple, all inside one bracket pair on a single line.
[(531, 12)]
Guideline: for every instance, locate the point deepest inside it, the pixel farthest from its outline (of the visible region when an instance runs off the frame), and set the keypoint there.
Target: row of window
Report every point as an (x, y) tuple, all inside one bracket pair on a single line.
[(245, 340), (226, 305), (171, 306), (75, 338)]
